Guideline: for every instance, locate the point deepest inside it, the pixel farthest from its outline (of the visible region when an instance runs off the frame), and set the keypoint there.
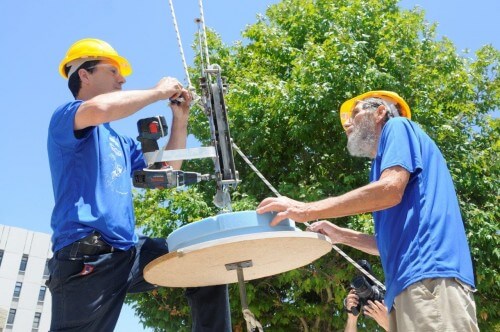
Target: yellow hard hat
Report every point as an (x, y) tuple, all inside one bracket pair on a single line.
[(348, 106), (94, 49)]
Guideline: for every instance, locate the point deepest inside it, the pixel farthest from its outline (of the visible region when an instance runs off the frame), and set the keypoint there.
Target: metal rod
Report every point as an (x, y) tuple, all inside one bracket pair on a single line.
[(241, 284)]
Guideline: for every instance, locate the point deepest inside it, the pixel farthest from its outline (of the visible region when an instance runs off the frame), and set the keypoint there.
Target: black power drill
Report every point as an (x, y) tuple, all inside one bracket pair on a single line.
[(158, 174)]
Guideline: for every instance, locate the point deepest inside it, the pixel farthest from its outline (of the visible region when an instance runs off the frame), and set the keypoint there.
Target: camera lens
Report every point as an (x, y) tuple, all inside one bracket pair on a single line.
[(362, 287)]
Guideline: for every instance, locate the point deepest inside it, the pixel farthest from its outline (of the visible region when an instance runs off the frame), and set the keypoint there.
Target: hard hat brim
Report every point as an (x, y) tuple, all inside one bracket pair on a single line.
[(348, 106), (123, 64)]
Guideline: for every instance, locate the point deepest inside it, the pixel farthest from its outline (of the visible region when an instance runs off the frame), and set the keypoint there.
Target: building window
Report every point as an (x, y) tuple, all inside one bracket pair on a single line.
[(1, 257), (36, 321), (24, 262), (46, 271), (12, 317), (41, 294), (17, 289)]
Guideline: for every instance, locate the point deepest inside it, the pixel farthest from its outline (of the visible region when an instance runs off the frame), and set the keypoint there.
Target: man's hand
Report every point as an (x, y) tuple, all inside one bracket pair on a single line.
[(181, 110), (286, 208), (352, 300), (352, 320), (170, 88), (327, 228), (378, 312)]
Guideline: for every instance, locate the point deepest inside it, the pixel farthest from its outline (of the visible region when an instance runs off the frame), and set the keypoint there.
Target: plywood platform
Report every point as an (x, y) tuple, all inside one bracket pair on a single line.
[(204, 264)]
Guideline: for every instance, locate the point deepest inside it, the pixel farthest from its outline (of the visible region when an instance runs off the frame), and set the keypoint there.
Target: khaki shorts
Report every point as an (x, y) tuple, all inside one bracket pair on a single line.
[(441, 304)]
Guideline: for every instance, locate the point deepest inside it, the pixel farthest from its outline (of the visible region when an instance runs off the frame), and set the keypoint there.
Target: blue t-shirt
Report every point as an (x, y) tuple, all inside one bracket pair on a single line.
[(91, 179), (423, 236)]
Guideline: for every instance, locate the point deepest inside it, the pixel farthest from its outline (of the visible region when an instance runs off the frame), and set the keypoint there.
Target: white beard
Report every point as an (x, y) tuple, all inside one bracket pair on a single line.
[(363, 139)]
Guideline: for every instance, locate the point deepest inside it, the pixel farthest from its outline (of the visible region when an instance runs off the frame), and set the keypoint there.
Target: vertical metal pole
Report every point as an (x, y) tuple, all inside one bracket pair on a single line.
[(252, 323), (243, 291)]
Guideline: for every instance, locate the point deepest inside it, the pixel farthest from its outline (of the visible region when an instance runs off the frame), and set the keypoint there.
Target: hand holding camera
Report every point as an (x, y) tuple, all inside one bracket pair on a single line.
[(365, 290)]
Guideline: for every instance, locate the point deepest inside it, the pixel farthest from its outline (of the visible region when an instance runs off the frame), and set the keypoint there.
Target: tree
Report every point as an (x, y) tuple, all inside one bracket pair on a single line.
[(287, 82)]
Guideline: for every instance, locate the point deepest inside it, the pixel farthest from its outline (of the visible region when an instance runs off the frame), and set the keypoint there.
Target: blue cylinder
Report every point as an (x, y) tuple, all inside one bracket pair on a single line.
[(226, 225)]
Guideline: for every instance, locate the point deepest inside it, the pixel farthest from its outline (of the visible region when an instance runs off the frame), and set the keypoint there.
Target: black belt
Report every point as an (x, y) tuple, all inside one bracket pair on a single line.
[(89, 246)]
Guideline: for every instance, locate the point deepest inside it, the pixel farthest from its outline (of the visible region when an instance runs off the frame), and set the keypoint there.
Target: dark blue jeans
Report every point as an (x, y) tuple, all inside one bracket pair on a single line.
[(88, 291)]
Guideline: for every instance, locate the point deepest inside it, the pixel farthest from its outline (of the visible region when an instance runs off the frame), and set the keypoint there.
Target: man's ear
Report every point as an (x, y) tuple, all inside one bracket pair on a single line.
[(84, 75), (380, 113)]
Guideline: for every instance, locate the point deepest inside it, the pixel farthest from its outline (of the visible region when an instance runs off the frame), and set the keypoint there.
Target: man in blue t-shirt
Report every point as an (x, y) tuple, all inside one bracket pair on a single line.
[(419, 233), (98, 258)]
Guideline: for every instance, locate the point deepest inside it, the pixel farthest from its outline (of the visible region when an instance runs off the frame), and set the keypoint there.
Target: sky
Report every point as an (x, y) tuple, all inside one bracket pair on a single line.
[(35, 35)]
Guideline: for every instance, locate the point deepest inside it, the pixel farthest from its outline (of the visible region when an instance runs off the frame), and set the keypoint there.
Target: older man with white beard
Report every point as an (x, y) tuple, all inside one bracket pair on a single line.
[(419, 232)]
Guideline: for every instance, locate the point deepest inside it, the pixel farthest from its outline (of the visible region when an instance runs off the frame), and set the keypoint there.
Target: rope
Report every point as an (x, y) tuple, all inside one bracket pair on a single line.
[(359, 267), (202, 19), (252, 323), (337, 249), (179, 43), (259, 174)]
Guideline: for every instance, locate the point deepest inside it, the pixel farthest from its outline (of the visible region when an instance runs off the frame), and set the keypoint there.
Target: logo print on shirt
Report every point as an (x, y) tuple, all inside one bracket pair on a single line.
[(118, 168)]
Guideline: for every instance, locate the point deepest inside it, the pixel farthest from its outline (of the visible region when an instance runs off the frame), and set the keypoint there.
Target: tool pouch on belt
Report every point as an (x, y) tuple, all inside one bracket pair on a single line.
[(90, 245)]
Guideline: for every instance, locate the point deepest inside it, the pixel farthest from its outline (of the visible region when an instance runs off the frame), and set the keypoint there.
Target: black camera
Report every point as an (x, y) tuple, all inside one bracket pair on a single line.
[(365, 288)]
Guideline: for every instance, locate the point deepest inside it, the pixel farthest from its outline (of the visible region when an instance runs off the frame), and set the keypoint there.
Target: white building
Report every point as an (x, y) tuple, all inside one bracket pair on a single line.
[(24, 299)]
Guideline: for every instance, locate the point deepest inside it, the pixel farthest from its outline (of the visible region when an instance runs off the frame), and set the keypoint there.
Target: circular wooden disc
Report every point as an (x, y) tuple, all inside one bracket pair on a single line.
[(204, 264)]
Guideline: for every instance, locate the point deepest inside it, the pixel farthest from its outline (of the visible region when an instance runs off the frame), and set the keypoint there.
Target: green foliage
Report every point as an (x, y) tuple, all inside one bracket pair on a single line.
[(287, 81)]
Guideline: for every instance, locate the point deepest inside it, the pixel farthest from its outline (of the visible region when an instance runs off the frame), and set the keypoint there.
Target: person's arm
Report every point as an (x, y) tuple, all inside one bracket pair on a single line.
[(116, 105), (352, 323), (378, 312), (352, 320), (178, 133), (352, 238), (379, 195)]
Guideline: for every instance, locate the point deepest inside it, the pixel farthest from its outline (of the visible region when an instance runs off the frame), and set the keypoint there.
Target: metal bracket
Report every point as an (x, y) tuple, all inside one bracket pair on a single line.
[(239, 266)]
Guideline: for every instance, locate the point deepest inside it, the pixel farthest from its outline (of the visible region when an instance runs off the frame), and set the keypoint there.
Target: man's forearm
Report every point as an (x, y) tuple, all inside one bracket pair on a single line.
[(360, 241), (178, 138), (379, 195), (373, 197), (352, 323), (114, 106)]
